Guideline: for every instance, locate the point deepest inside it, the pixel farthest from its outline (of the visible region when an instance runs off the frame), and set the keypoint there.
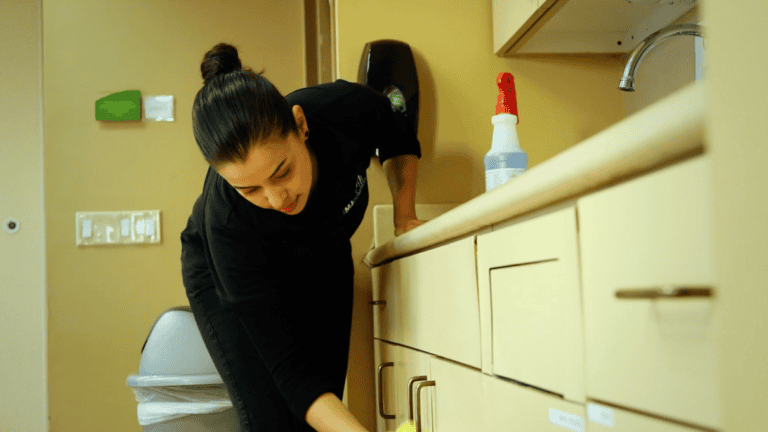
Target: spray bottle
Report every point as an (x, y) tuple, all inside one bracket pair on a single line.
[(506, 159)]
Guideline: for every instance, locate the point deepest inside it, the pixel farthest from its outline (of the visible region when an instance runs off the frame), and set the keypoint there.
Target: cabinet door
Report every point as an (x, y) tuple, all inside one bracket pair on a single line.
[(537, 336), (432, 302), (459, 400), (606, 419), (386, 391), (468, 400), (535, 302), (412, 368), (512, 407), (384, 319), (511, 18), (655, 355)]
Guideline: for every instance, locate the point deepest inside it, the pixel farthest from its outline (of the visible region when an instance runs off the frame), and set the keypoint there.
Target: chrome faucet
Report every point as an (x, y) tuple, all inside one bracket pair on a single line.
[(628, 80)]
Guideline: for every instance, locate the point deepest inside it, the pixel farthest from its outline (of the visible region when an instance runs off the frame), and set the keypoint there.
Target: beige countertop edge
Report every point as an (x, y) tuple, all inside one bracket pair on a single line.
[(670, 129)]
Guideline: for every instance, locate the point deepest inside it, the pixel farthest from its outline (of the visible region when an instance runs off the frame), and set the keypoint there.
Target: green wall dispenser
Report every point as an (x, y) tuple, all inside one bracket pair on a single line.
[(120, 106)]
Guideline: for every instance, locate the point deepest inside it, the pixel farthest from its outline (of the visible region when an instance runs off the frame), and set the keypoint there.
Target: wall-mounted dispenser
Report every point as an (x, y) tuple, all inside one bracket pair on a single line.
[(120, 106), (387, 66)]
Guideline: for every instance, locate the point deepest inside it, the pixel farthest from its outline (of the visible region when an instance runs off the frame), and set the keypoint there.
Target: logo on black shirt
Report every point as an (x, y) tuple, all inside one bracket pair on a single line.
[(361, 179)]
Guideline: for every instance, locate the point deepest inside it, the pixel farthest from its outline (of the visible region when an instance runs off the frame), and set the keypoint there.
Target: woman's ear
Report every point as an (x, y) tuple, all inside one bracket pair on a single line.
[(301, 121)]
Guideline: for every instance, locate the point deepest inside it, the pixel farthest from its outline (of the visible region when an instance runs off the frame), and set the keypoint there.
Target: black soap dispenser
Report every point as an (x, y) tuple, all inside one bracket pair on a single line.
[(387, 66)]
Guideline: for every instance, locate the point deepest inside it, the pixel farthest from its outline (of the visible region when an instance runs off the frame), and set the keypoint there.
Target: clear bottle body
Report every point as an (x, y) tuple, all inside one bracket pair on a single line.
[(506, 159)]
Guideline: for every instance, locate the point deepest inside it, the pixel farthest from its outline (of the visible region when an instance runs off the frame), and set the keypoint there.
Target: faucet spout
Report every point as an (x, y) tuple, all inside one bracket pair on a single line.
[(628, 80)]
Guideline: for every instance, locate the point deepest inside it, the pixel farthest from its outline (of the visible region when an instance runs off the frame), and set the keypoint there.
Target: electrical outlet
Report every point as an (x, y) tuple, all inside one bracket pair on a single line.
[(117, 228)]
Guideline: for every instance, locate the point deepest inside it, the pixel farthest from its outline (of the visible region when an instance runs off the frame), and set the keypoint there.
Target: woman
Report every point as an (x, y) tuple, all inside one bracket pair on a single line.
[(266, 256)]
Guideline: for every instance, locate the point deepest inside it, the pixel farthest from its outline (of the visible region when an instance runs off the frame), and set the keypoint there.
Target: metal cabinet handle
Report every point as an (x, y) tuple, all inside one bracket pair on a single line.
[(410, 394), (418, 402), (381, 393), (665, 291)]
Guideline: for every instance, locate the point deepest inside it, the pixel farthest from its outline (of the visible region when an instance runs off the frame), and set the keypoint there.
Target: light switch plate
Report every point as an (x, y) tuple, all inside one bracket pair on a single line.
[(117, 228)]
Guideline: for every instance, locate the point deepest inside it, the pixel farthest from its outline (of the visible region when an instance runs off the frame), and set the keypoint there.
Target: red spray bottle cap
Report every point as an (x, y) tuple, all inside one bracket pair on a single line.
[(506, 101)]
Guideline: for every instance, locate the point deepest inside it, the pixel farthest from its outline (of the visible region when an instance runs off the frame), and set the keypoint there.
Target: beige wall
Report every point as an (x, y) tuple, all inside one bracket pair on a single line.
[(22, 265), (103, 300)]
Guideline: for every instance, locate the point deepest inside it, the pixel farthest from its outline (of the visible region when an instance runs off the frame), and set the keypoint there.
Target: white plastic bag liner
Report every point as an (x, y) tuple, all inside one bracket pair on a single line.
[(161, 404), (176, 376)]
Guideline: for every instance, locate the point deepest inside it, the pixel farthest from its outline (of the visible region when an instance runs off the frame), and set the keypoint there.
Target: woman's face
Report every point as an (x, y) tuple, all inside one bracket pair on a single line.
[(278, 174)]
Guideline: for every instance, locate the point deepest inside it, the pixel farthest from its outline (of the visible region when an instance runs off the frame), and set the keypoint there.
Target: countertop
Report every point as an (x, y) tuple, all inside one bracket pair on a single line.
[(669, 130)]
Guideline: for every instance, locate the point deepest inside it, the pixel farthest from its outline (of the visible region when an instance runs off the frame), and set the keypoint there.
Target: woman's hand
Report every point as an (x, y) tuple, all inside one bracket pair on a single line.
[(407, 225)]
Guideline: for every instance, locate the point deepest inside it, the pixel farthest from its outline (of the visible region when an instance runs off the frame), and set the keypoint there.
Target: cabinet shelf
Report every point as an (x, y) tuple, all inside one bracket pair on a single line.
[(528, 27)]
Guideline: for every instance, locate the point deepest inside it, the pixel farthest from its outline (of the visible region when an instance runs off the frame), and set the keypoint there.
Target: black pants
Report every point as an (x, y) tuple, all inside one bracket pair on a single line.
[(260, 406)]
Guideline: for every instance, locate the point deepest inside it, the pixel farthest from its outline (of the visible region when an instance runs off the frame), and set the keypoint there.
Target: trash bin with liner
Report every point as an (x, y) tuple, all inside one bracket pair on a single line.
[(178, 387)]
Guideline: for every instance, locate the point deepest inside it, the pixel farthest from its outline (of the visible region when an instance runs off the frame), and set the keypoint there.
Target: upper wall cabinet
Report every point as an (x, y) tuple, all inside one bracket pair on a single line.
[(579, 26)]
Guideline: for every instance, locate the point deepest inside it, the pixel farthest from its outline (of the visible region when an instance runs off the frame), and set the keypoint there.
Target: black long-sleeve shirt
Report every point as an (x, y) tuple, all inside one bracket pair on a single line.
[(269, 268)]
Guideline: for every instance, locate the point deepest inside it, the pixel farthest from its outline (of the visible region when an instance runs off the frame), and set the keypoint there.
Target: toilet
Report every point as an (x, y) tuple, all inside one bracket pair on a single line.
[(178, 387)]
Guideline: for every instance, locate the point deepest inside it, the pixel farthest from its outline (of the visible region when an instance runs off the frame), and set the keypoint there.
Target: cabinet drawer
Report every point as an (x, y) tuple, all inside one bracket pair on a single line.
[(512, 407), (386, 391), (431, 302), (538, 238), (535, 303), (652, 355), (459, 402), (412, 368), (468, 400), (605, 419)]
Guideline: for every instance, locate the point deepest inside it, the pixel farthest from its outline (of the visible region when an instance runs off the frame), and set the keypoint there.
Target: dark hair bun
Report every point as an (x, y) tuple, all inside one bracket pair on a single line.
[(220, 60)]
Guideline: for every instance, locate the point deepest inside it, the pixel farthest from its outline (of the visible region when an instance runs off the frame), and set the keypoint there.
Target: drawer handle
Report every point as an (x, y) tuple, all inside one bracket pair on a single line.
[(379, 302), (418, 402), (666, 291), (381, 393), (410, 393)]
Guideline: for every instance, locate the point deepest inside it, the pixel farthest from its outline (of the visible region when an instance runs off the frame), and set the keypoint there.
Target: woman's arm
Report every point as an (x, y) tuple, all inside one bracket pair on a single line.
[(401, 176), (328, 414)]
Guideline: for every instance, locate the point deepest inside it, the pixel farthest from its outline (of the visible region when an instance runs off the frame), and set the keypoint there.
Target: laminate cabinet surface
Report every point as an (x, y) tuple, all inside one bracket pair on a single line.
[(607, 419), (509, 406), (465, 399), (654, 355), (528, 275), (413, 369), (386, 392), (460, 402), (431, 302), (575, 237)]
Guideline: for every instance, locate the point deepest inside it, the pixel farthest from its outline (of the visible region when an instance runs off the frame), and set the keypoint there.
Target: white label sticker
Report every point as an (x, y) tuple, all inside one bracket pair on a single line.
[(158, 108), (600, 414), (568, 421)]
